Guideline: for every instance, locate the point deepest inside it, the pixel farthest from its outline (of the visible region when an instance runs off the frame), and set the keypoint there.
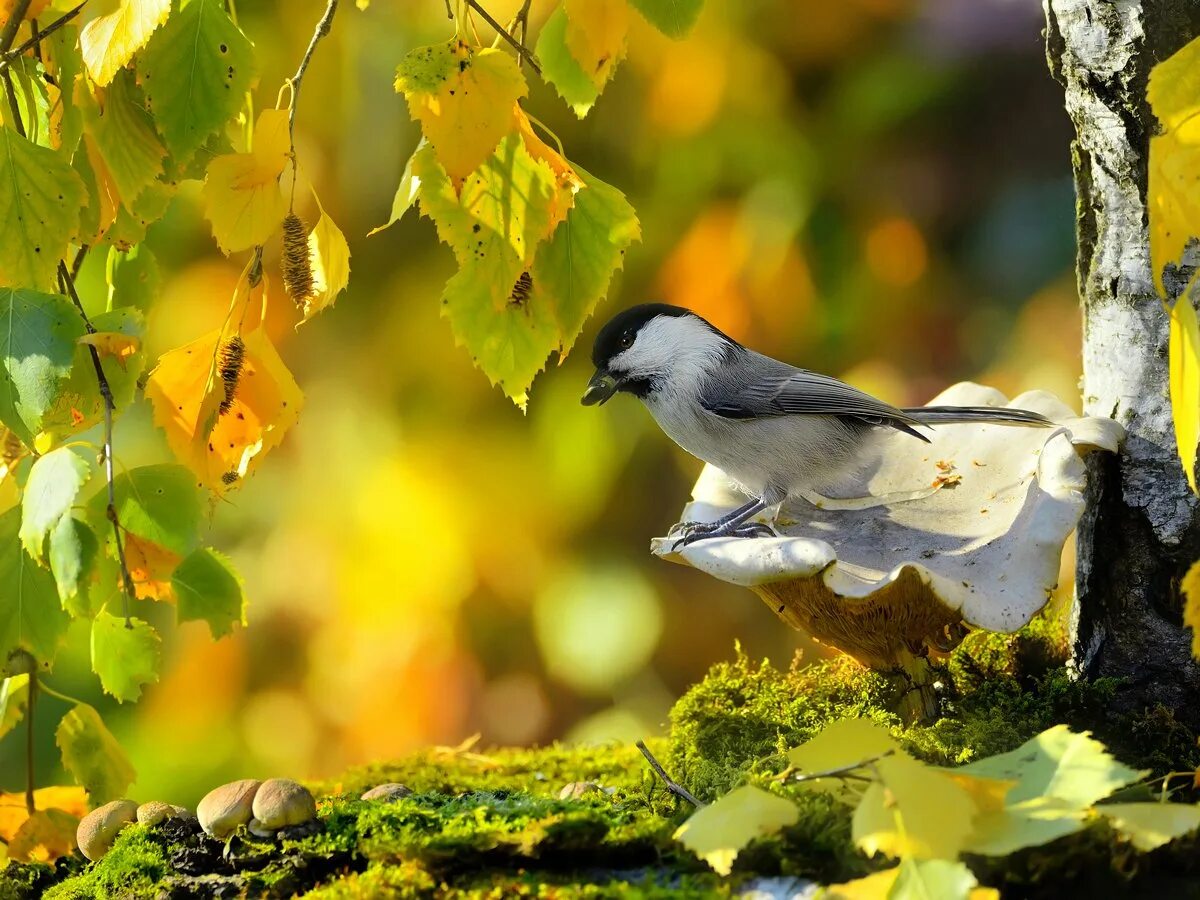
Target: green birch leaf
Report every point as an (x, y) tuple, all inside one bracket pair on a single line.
[(207, 588), (160, 504), (575, 267), (40, 198), (561, 69), (54, 483), (133, 277), (406, 193), (674, 18), (92, 755), (66, 63), (125, 657), (79, 404), (31, 617), (932, 878), (14, 701), (38, 334), (125, 136), (73, 551), (194, 73)]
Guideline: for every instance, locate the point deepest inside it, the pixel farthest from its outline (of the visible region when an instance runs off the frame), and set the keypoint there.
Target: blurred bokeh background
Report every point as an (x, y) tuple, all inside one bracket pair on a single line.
[(879, 189)]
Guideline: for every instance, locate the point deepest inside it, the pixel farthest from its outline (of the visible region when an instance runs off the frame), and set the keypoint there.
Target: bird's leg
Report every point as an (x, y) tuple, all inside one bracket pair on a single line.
[(732, 525), (689, 528)]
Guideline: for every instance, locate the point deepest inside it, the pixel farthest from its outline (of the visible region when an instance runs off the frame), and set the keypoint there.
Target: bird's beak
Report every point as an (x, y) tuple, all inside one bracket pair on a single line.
[(600, 388)]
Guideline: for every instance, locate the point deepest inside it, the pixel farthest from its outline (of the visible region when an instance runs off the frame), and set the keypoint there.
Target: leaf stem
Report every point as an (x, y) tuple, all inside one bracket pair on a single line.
[(68, 285), (848, 771), (517, 45), (39, 36), (59, 695), (674, 787), (30, 806), (9, 32), (295, 81)]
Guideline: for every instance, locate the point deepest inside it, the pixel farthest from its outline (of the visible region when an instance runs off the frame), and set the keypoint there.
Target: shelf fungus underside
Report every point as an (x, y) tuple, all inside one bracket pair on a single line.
[(964, 532)]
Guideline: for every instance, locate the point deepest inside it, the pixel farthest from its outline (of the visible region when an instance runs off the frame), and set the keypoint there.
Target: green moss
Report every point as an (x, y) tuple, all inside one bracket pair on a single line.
[(131, 868)]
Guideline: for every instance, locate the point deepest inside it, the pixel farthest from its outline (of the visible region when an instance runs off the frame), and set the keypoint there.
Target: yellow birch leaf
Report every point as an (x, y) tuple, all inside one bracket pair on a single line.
[(1174, 86), (265, 404), (912, 880), (1173, 204), (463, 99), (44, 837), (70, 799), (718, 832), (109, 42), (566, 180), (330, 256), (150, 568), (115, 344), (1184, 366), (241, 191), (1190, 588), (841, 744), (103, 189), (914, 810), (1150, 825), (596, 35)]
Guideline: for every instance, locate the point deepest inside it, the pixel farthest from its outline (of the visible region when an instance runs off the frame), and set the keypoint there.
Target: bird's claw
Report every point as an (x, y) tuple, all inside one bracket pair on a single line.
[(684, 529), (747, 530)]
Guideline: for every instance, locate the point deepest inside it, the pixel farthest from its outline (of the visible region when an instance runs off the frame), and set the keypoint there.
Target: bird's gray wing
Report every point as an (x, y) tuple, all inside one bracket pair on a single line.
[(761, 387)]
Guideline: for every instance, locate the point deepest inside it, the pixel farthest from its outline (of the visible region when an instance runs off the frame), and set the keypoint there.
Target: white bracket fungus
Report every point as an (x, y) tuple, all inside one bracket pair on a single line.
[(968, 532)]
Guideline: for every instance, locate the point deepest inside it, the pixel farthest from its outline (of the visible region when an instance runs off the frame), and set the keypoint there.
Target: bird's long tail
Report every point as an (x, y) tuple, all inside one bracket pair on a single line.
[(980, 415)]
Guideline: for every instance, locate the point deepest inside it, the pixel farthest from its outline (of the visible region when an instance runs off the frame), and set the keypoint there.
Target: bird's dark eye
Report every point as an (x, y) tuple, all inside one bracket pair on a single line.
[(626, 340)]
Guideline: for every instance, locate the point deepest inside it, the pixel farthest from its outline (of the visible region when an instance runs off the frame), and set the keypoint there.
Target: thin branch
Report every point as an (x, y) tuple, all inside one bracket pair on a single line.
[(673, 786), (522, 52), (522, 21), (77, 263), (449, 11), (68, 283), (38, 36), (12, 102), (295, 81), (9, 33), (30, 805), (849, 771)]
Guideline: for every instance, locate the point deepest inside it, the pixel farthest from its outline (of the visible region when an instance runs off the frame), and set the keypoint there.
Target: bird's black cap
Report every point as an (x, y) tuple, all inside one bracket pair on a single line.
[(629, 322)]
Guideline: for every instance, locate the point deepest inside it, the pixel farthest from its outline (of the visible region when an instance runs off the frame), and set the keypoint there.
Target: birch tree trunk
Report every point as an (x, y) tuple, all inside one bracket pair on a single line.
[(1142, 527)]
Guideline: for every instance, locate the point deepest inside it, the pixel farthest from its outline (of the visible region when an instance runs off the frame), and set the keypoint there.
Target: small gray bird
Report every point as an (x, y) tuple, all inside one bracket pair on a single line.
[(775, 430)]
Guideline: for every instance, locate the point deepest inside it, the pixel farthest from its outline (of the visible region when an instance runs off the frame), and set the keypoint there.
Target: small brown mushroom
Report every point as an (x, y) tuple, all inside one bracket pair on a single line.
[(155, 811), (98, 829), (281, 802), (223, 809), (576, 789), (387, 793)]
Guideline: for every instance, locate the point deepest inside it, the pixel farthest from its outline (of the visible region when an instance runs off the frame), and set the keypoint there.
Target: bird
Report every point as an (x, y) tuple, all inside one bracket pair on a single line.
[(776, 430)]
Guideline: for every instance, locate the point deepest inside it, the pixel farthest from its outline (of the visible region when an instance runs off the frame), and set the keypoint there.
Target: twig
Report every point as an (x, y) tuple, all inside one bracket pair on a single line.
[(9, 33), (77, 263), (522, 20), (674, 787), (503, 32), (844, 771), (68, 283), (295, 81), (30, 805), (38, 36), (12, 102), (449, 11)]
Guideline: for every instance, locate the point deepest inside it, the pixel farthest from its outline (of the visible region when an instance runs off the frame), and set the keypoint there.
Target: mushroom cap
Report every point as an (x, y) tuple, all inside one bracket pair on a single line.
[(981, 549), (154, 811), (281, 802), (224, 808), (388, 792), (98, 829)]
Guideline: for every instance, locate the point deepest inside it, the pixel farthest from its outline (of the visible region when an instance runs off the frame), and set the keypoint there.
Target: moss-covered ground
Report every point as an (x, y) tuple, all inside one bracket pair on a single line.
[(490, 824)]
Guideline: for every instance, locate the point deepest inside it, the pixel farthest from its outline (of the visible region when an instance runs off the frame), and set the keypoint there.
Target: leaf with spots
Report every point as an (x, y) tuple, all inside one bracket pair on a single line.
[(31, 617), (40, 197), (596, 35), (208, 588), (674, 18), (264, 404), (464, 99), (37, 345), (241, 191), (194, 73), (109, 42), (125, 654), (92, 755), (561, 69), (125, 136)]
